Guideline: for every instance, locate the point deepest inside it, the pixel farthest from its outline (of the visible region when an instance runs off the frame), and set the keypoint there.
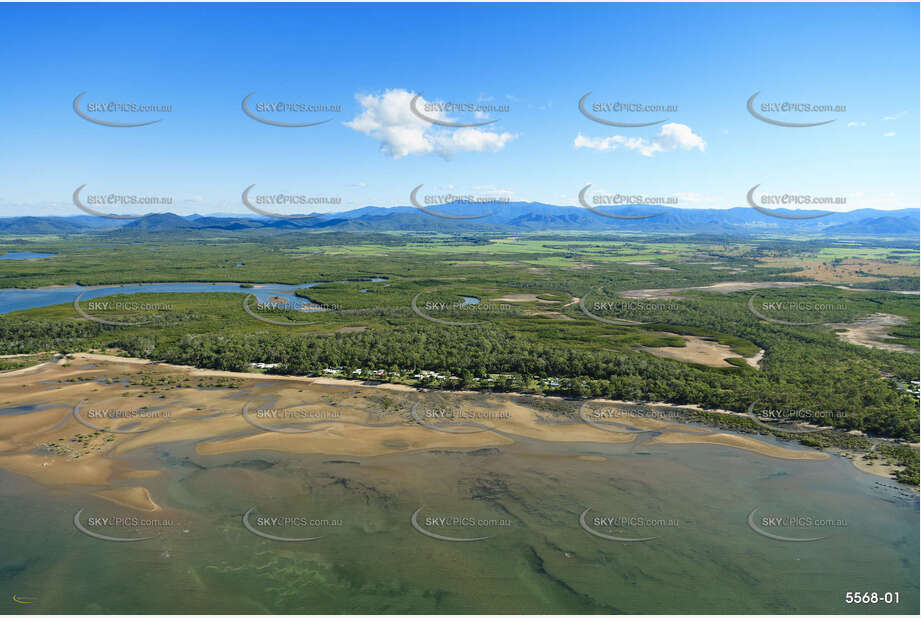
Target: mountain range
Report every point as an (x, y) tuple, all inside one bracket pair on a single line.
[(508, 218)]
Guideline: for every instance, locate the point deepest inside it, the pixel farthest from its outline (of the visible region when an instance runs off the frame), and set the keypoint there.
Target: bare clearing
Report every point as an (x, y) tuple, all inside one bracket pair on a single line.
[(755, 361), (872, 332), (523, 298), (725, 287), (696, 350), (850, 270)]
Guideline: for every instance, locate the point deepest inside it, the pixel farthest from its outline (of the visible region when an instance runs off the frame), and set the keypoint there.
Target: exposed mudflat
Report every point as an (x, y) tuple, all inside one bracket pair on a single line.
[(72, 424)]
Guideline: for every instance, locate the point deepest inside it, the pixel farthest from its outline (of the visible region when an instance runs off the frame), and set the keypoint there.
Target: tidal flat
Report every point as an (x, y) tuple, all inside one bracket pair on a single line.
[(417, 502)]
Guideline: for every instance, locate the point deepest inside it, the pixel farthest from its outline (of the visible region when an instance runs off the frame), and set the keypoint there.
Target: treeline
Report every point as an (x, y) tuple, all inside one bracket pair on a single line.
[(847, 391), (893, 283), (27, 336)]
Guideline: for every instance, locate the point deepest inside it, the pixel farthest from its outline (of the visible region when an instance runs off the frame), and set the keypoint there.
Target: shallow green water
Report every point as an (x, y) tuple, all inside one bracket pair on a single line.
[(705, 557)]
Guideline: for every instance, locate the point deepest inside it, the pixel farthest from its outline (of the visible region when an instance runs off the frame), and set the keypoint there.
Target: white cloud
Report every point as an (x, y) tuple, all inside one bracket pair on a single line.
[(671, 136), (388, 119), (896, 116), (470, 138), (601, 144), (889, 134)]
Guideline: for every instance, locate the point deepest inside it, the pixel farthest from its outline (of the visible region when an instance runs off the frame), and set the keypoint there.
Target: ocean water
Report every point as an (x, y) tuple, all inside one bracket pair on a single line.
[(527, 499)]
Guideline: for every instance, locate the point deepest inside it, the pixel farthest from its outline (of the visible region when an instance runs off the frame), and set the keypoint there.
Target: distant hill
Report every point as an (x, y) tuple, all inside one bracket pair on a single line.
[(877, 226), (160, 222), (505, 218), (40, 225)]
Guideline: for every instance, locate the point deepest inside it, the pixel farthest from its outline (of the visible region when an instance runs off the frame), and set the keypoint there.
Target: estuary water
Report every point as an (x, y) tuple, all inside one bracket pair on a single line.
[(15, 299), (25, 255)]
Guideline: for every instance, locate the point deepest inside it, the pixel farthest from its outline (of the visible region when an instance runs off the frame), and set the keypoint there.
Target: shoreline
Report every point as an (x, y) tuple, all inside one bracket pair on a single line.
[(856, 460), (345, 382)]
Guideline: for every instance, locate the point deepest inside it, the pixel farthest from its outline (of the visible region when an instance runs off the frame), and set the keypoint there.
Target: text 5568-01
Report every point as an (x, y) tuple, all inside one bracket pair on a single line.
[(871, 597)]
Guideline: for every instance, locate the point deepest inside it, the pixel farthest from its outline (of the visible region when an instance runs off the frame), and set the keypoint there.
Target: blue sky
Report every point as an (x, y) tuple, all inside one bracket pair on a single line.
[(538, 59)]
